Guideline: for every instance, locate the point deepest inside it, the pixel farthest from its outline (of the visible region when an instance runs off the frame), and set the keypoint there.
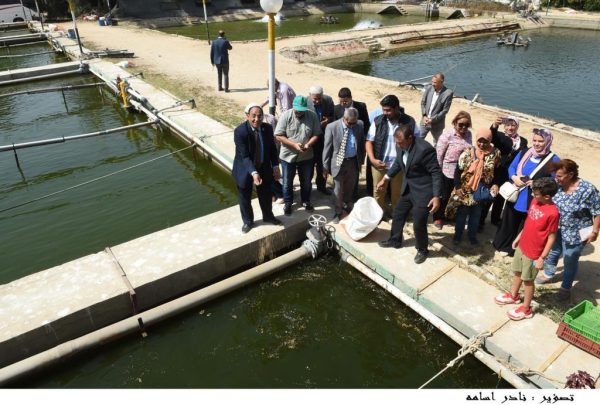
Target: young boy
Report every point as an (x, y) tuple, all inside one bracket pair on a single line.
[(532, 245)]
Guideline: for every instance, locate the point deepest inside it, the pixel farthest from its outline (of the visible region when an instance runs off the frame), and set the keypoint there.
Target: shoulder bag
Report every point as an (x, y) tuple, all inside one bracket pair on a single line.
[(510, 192)]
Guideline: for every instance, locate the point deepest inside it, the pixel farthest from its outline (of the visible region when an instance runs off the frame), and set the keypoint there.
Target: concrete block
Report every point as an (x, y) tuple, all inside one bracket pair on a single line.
[(50, 307)]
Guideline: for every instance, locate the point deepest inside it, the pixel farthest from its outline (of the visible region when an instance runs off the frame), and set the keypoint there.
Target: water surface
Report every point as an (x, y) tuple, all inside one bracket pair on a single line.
[(255, 29), (555, 77)]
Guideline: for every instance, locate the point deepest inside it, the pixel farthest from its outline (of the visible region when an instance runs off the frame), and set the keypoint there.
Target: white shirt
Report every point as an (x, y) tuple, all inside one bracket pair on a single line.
[(434, 100), (389, 152)]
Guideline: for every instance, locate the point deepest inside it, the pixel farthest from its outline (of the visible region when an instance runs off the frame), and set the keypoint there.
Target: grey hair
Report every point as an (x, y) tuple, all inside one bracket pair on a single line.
[(316, 90), (351, 113)]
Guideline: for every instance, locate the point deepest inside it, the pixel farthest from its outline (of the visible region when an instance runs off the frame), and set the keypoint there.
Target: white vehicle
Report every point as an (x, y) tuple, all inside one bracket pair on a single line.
[(11, 13)]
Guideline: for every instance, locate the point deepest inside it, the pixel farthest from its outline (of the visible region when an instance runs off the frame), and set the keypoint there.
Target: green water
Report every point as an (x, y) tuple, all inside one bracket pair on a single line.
[(555, 77), (255, 29), (88, 219), (43, 58), (316, 325)]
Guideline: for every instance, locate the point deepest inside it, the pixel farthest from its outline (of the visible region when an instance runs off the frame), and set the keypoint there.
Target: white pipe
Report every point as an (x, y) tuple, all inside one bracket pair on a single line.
[(40, 77), (149, 317), (449, 331)]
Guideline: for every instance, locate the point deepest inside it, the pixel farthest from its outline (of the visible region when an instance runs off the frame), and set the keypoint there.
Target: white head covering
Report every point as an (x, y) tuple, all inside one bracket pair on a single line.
[(316, 90)]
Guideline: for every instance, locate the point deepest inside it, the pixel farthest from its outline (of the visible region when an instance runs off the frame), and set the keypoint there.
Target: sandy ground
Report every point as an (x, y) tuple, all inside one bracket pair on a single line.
[(184, 65)]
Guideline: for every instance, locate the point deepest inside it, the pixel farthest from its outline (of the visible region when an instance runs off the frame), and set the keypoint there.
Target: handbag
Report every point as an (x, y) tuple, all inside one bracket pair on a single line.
[(483, 194), (510, 192)]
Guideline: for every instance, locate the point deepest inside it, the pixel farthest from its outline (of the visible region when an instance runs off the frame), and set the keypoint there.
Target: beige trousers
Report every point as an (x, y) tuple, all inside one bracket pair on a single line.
[(395, 187)]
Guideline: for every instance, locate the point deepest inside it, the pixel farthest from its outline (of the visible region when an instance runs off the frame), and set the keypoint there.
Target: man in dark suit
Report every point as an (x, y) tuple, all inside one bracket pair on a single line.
[(219, 57), (346, 101), (255, 163), (421, 189), (435, 104), (322, 105), (343, 154)]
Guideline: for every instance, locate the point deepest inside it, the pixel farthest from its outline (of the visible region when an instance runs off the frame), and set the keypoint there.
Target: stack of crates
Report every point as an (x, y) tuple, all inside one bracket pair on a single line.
[(581, 327)]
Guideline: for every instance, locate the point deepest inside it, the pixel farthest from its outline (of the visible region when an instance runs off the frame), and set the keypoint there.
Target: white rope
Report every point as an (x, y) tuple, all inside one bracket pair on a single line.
[(96, 179), (471, 346)]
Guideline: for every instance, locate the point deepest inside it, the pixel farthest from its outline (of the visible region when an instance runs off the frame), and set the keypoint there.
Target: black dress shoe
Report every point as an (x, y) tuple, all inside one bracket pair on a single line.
[(421, 256), (308, 207), (324, 190), (272, 220), (246, 228), (390, 243), (287, 209)]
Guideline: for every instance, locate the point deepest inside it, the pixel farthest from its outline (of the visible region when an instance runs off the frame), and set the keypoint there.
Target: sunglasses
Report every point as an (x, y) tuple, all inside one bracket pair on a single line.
[(483, 141), (462, 125)]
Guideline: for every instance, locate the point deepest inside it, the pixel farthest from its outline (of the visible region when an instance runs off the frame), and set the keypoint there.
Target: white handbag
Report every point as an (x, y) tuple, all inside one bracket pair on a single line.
[(510, 192)]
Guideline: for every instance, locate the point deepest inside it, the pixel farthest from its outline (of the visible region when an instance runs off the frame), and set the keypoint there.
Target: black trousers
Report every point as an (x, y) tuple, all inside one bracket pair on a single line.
[(447, 187), (419, 214), (264, 199), (512, 223), (318, 161), (223, 73)]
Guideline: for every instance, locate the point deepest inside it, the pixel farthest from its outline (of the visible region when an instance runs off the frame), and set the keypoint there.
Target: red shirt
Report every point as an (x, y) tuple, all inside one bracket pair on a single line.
[(541, 221)]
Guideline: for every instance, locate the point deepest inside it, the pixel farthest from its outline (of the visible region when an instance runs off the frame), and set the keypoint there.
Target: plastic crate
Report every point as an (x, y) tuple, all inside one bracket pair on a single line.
[(584, 319), (585, 344)]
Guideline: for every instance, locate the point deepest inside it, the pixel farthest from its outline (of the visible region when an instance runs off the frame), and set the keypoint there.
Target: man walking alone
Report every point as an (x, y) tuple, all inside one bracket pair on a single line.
[(219, 57)]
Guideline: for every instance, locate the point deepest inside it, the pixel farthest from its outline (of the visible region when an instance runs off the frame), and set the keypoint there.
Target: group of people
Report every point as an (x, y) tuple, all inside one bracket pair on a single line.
[(457, 177)]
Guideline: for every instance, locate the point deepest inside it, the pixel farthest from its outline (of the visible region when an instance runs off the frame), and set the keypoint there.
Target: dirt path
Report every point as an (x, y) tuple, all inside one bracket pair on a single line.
[(183, 66)]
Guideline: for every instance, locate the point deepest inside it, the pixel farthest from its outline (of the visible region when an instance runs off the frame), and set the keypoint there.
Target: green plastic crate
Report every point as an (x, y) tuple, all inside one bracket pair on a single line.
[(584, 319)]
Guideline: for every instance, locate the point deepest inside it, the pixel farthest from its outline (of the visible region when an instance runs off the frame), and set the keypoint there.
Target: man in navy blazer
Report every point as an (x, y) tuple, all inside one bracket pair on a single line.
[(219, 57), (435, 104), (421, 188), (255, 163)]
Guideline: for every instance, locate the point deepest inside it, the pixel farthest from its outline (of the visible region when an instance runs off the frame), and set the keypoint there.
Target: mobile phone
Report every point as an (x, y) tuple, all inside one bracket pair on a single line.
[(525, 179), (504, 121)]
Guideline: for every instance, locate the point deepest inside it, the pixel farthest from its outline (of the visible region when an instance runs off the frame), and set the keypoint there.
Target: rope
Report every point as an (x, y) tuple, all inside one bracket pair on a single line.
[(96, 179), (470, 346)]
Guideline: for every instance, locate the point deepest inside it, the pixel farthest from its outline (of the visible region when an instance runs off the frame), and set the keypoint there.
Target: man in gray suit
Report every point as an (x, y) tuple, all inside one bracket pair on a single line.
[(219, 57), (435, 104), (343, 155)]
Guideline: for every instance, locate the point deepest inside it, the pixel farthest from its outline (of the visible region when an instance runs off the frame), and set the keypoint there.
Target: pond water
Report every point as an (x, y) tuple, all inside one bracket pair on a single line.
[(555, 77), (256, 29)]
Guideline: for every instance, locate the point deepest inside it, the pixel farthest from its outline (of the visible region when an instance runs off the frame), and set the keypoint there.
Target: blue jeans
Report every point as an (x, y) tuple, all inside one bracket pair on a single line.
[(304, 169), (474, 214), (570, 253)]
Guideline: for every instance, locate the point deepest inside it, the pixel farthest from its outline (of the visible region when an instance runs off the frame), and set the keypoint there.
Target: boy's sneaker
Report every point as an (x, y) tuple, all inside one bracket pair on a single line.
[(507, 298), (516, 314)]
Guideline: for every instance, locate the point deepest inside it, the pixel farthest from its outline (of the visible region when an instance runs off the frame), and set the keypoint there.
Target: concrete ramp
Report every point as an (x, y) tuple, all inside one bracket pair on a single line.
[(393, 10)]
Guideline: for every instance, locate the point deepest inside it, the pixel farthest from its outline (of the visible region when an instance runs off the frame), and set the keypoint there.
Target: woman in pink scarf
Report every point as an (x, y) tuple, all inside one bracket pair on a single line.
[(519, 171)]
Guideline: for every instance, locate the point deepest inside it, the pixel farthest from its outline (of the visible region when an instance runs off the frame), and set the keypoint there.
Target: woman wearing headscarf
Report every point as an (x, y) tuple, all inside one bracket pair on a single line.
[(522, 166), (509, 143), (476, 168), (578, 203), (450, 145)]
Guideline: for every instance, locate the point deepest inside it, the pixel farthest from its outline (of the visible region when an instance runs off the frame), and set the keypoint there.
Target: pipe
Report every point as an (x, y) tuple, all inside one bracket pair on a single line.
[(449, 331), (40, 77), (51, 89), (63, 139), (149, 317)]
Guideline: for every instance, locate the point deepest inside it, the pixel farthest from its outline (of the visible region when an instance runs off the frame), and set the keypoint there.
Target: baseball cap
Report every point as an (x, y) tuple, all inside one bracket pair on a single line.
[(300, 104)]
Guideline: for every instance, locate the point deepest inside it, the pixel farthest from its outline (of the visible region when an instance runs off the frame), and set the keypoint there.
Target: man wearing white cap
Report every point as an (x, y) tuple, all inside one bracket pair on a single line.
[(255, 163)]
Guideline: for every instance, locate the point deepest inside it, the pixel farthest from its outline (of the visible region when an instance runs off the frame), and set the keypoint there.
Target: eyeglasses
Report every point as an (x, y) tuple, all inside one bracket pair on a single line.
[(483, 141), (462, 125)]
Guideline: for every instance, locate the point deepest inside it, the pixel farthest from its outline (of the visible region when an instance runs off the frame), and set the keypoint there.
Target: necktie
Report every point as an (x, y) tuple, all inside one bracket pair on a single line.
[(339, 159), (257, 149)]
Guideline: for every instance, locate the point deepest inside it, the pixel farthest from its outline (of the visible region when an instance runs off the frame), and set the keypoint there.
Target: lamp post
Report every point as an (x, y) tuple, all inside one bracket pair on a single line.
[(271, 7)]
